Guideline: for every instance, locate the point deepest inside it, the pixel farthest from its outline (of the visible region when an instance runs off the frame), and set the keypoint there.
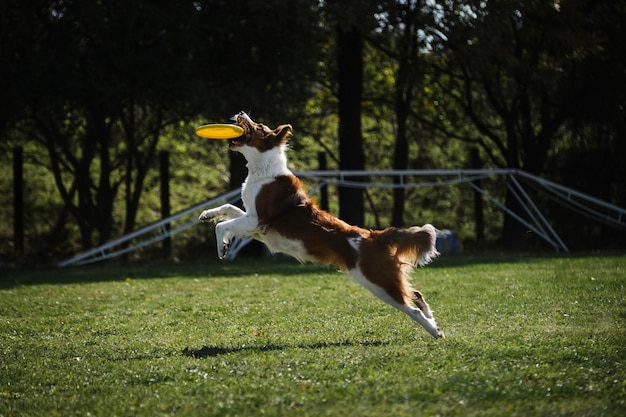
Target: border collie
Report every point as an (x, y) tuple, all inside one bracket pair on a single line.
[(279, 213)]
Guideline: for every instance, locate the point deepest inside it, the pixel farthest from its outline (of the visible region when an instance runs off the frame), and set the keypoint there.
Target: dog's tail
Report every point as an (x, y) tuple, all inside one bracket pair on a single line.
[(414, 245)]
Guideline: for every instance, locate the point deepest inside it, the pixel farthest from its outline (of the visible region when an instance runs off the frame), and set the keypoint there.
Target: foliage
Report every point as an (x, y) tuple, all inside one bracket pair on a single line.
[(94, 91), (105, 79), (516, 71), (526, 336)]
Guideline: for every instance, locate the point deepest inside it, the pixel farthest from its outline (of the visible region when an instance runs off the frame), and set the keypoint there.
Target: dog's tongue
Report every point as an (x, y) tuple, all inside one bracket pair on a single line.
[(236, 141)]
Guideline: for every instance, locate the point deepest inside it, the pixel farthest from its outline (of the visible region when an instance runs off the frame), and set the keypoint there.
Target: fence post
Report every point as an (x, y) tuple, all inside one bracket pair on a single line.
[(322, 166), (479, 224), (164, 175), (18, 201)]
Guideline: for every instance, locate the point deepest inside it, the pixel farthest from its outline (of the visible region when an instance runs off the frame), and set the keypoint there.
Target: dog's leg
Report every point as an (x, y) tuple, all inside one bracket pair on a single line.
[(225, 212), (422, 315), (231, 221), (241, 226)]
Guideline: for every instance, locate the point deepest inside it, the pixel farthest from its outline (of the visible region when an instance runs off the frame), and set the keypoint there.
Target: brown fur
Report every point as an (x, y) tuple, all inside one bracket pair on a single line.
[(386, 256), (286, 208)]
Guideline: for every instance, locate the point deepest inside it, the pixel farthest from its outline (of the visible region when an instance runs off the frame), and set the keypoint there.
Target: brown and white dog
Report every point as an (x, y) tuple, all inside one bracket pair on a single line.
[(280, 214)]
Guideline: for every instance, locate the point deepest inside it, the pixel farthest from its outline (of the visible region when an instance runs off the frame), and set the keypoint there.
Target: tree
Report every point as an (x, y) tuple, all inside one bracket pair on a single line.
[(102, 89), (99, 82), (351, 156), (508, 68), (401, 36), (261, 60), (598, 120), (350, 21)]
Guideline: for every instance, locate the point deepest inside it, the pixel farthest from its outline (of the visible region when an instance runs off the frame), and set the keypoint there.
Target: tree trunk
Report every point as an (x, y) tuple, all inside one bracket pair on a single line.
[(407, 78), (351, 155), (400, 161), (105, 193)]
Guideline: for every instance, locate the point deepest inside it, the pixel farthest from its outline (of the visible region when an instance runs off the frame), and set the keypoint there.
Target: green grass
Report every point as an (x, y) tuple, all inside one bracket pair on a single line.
[(525, 336)]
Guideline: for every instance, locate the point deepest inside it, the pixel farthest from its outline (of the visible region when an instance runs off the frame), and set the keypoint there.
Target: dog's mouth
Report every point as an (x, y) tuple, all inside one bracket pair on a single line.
[(244, 121)]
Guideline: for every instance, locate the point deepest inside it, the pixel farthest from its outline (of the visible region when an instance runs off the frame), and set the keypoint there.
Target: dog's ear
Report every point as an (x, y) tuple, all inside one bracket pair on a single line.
[(282, 132)]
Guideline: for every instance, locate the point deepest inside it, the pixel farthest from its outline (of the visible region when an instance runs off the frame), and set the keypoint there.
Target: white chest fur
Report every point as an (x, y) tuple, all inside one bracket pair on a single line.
[(263, 167), (250, 190)]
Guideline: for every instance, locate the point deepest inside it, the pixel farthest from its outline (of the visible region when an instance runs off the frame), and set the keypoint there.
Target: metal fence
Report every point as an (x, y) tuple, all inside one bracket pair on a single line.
[(593, 208)]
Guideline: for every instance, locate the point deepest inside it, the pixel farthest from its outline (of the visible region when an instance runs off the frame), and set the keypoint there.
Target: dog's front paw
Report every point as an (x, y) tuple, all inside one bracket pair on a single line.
[(222, 239), (208, 215), (222, 249)]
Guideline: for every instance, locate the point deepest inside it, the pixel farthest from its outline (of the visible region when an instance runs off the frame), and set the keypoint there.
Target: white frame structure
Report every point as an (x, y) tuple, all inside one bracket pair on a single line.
[(586, 205)]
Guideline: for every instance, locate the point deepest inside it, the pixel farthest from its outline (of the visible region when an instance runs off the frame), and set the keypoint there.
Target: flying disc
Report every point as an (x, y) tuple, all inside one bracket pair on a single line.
[(219, 131)]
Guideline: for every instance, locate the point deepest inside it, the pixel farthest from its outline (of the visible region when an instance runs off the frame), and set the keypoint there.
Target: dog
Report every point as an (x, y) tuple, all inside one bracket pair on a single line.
[(279, 213)]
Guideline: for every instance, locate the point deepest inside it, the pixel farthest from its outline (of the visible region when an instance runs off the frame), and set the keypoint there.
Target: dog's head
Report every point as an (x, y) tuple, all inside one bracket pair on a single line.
[(257, 135)]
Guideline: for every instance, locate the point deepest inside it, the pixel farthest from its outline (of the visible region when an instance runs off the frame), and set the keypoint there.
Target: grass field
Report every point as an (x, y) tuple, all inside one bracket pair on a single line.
[(525, 337)]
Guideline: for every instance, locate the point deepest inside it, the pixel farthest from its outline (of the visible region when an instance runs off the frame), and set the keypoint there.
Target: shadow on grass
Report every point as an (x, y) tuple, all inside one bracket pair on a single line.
[(107, 272), (213, 351)]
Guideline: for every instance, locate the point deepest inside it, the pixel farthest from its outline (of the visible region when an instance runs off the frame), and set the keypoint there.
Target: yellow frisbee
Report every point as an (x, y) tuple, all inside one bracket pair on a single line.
[(219, 131)]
